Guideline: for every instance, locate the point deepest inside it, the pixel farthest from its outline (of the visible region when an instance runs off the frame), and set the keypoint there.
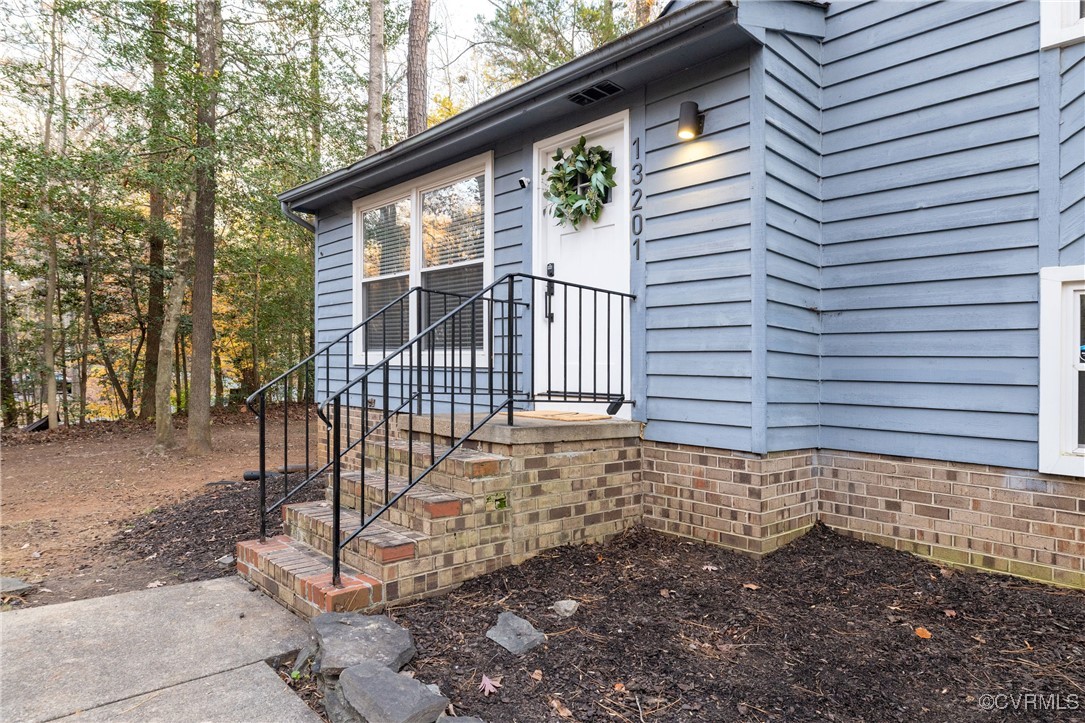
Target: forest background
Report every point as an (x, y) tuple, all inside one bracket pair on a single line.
[(146, 267)]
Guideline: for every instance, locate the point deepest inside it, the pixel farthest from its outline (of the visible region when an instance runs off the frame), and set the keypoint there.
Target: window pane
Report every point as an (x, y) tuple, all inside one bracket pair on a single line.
[(458, 284), (387, 235), (453, 222), (389, 330)]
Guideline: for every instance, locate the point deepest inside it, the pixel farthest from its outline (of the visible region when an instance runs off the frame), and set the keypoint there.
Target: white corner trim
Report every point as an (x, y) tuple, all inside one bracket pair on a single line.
[(1056, 431), (1060, 23)]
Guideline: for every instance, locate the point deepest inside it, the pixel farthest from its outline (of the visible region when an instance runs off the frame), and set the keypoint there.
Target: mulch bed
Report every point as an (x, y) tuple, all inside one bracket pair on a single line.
[(188, 537), (825, 629)]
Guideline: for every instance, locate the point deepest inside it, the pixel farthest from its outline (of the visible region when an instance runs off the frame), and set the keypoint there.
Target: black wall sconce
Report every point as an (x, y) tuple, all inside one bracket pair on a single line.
[(690, 121)]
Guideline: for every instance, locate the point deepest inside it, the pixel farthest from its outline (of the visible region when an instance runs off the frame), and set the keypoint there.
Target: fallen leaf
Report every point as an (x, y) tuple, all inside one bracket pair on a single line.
[(665, 592), (751, 586), (709, 568), (619, 687), (560, 708), (156, 583), (946, 572), (924, 633), (598, 558), (489, 686), (537, 675), (950, 613)]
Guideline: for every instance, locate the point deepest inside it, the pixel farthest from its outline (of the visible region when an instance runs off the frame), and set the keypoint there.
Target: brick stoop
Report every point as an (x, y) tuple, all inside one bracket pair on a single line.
[(477, 511), (300, 579)]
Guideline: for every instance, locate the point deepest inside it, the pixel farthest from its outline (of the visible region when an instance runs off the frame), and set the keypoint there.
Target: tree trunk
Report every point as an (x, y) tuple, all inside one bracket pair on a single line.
[(374, 131), (163, 418), (199, 399), (10, 409), (316, 112), (63, 347), (417, 46), (643, 11), (219, 392), (157, 206), (178, 385)]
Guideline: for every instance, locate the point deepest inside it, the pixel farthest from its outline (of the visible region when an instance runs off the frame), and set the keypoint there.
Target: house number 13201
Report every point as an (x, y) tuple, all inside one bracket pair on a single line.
[(636, 220)]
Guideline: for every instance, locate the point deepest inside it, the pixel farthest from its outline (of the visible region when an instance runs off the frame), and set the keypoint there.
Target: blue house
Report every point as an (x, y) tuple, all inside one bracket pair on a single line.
[(839, 276)]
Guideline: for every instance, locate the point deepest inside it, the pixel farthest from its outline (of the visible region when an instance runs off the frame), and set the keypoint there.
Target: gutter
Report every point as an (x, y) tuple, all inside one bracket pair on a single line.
[(284, 208), (534, 90)]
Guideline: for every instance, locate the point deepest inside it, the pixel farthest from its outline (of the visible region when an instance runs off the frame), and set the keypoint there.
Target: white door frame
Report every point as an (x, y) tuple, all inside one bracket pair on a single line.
[(568, 138), (541, 151)]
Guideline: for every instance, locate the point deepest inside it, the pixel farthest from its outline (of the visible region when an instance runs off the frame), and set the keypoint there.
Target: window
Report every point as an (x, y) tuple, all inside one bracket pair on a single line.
[(1062, 370), (436, 233), (1062, 22)]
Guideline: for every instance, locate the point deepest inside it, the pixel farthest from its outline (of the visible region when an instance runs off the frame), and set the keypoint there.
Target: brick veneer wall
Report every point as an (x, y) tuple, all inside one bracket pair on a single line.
[(1015, 521), (1021, 522), (991, 518), (739, 500)]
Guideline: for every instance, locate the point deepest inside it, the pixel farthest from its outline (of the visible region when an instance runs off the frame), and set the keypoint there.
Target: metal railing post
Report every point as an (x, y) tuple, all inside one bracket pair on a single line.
[(510, 349), (336, 482), (263, 468)]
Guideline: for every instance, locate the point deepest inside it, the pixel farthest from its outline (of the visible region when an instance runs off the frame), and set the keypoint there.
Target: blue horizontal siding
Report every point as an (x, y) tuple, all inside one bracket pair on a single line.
[(793, 216), (930, 232), (1072, 155)]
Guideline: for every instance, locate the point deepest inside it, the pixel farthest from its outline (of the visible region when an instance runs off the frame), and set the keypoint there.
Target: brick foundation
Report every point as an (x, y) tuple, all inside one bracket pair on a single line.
[(1020, 522), (990, 518), (510, 493)]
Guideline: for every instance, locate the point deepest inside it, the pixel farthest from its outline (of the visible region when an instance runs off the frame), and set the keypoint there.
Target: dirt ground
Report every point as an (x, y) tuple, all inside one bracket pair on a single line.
[(825, 629), (67, 497)]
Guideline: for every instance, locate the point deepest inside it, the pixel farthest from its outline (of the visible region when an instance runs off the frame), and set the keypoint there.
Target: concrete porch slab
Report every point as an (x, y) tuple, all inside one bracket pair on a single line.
[(61, 659), (529, 430)]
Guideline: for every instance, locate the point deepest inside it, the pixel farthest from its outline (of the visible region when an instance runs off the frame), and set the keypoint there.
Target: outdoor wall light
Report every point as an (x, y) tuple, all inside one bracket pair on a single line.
[(690, 121)]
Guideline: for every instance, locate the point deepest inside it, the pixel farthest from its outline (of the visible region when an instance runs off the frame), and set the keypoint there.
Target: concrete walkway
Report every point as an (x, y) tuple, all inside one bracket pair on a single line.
[(192, 652)]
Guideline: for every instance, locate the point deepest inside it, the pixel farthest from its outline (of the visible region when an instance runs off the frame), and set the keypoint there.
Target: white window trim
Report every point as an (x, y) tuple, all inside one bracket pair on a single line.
[(412, 191), (1058, 448), (1060, 23)]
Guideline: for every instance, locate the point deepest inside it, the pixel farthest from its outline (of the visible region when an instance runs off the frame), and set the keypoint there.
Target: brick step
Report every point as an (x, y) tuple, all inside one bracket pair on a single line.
[(381, 545), (424, 508), (467, 471), (300, 578)]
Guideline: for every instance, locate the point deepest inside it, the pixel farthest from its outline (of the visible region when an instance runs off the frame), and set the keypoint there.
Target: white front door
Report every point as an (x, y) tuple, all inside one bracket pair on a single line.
[(582, 342)]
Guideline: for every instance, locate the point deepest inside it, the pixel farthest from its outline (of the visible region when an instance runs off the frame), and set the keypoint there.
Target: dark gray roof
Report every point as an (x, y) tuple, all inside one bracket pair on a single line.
[(678, 39)]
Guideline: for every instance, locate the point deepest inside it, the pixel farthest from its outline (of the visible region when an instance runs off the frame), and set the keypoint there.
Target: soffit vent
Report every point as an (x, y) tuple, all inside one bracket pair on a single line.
[(594, 93)]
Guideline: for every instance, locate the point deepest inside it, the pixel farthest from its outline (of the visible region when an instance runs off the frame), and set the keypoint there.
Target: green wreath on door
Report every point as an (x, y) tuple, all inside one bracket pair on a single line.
[(578, 186)]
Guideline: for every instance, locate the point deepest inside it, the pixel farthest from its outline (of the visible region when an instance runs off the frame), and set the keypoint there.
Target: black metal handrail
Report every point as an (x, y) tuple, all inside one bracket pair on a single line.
[(297, 386), (480, 368)]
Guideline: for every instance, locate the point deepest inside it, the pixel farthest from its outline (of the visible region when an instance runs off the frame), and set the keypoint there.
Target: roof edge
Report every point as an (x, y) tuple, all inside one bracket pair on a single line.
[(655, 32)]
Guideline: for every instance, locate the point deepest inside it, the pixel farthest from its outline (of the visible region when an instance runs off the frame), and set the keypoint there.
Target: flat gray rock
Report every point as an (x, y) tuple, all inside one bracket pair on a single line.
[(459, 719), (346, 639), (251, 693), (14, 586), (379, 695), (515, 634), (565, 608), (60, 659)]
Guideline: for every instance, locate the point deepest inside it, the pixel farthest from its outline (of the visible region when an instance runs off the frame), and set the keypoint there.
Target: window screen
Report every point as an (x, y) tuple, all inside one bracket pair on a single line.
[(386, 249)]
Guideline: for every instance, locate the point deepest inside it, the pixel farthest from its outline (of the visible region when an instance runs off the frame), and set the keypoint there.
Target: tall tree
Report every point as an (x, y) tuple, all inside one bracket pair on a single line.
[(163, 418), (374, 131), (57, 87), (643, 11), (7, 384), (526, 38), (156, 226), (417, 57), (208, 32)]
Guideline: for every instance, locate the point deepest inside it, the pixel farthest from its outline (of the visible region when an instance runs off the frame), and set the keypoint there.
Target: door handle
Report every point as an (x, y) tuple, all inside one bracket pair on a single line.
[(547, 297)]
